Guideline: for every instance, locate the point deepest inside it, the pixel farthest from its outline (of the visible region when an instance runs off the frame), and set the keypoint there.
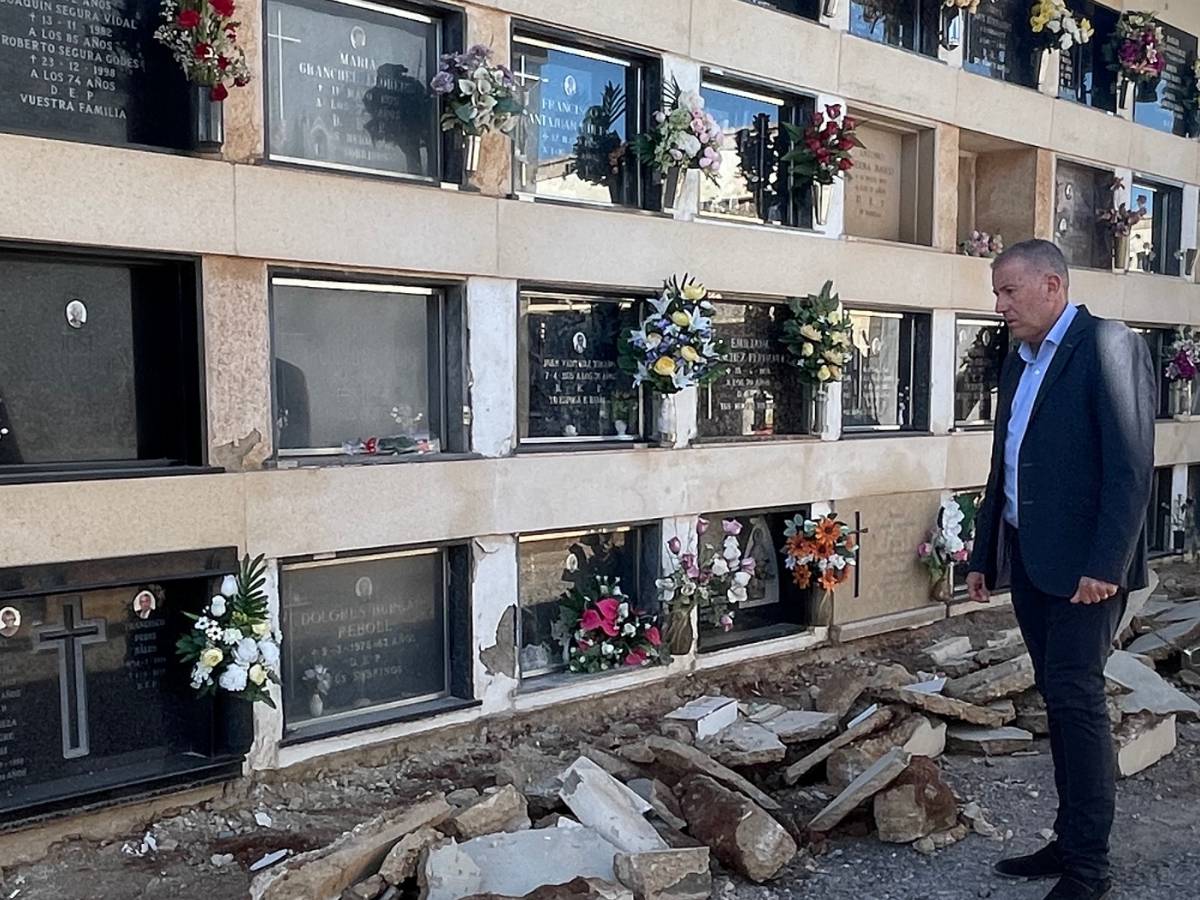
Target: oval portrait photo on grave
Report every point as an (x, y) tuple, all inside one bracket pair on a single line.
[(10, 621)]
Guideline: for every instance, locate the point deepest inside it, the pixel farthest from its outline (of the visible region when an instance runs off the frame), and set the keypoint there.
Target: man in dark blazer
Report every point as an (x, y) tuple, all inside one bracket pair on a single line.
[(1063, 523)]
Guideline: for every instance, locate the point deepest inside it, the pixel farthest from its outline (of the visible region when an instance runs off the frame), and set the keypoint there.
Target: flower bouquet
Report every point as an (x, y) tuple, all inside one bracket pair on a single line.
[(1119, 222), (684, 137), (817, 334), (983, 245), (321, 681), (971, 6), (202, 36), (1181, 370), (821, 152), (1056, 27), (676, 347), (606, 631), (820, 552), (231, 647), (480, 96), (713, 581), (946, 545), (1135, 53)]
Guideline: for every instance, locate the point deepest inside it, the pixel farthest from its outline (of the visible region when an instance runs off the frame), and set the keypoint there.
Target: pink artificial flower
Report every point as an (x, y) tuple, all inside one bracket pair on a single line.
[(731, 526), (701, 526), (689, 565), (653, 636), (583, 644), (960, 556), (749, 564), (609, 607), (635, 658), (674, 546), (727, 622), (924, 550), (591, 620)]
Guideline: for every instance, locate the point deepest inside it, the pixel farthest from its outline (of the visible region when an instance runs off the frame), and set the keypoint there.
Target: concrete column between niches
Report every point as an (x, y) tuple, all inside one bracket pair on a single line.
[(942, 370), (494, 615), (492, 29), (492, 359)]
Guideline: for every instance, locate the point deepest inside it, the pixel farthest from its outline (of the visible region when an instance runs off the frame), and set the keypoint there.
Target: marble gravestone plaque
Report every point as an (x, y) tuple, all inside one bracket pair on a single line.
[(362, 633), (90, 70), (873, 186), (1079, 192), (1168, 110), (347, 87), (1000, 44), (575, 387), (762, 394)]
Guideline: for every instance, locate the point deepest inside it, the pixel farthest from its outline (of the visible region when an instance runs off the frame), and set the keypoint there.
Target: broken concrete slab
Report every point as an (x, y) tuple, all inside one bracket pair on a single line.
[(366, 890), (682, 760), (661, 800), (741, 834), (1180, 612), (744, 743), (354, 856), (535, 774), (514, 864), (1147, 690), (706, 716), (611, 809), (879, 719), (838, 694), (885, 770), (616, 766), (1137, 602), (795, 726), (666, 874), (916, 804), (959, 668), (1006, 708), (988, 741), (993, 683), (945, 650), (401, 862), (579, 889), (1143, 740), (847, 763), (761, 712), (891, 676), (990, 656), (1168, 640), (949, 708), (504, 810)]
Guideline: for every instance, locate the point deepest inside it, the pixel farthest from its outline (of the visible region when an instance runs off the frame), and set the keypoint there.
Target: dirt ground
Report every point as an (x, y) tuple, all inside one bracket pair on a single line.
[(205, 853)]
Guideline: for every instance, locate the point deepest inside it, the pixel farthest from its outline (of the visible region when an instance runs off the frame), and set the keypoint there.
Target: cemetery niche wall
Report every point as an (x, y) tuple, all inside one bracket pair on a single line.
[(1168, 104), (999, 189), (908, 24), (889, 192), (94, 704), (1079, 191)]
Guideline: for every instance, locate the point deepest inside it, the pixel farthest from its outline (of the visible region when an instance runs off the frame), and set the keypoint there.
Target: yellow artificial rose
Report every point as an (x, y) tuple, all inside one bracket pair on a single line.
[(257, 674), (261, 629), (694, 292), (689, 353), (653, 340), (807, 349), (212, 657), (811, 332), (823, 373), (835, 372), (836, 316), (680, 318), (665, 366), (1085, 30), (833, 357)]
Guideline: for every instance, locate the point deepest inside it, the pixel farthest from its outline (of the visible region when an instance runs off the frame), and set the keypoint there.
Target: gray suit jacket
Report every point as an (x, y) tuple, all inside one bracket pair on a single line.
[(1086, 464)]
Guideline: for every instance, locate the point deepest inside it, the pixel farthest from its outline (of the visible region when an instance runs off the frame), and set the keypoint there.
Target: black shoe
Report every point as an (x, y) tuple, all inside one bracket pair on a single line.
[(1071, 888), (1046, 863)]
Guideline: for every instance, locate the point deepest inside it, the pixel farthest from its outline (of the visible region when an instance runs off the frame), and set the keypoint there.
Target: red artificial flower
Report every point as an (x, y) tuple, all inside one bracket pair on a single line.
[(219, 92), (823, 154), (222, 63), (204, 51), (591, 620), (231, 32), (845, 144), (241, 81), (609, 607), (636, 658), (813, 144), (583, 644), (371, 445), (830, 129), (834, 111), (224, 8), (817, 119), (653, 636), (849, 123), (846, 165), (188, 18)]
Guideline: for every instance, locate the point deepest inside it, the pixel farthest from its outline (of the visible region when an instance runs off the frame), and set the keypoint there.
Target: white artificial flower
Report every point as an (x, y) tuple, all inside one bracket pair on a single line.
[(606, 648), (688, 143), (666, 589), (228, 586), (732, 550), (257, 674), (202, 623), (216, 606), (1054, 25), (741, 579), (691, 100), (214, 633), (230, 636), (268, 651), (623, 610), (246, 652), (688, 589), (234, 678), (838, 562), (720, 567), (736, 594), (629, 630)]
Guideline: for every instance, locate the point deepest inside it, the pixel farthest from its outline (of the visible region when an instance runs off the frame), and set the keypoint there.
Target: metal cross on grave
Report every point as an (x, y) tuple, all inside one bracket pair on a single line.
[(859, 531), (279, 38), (69, 640)]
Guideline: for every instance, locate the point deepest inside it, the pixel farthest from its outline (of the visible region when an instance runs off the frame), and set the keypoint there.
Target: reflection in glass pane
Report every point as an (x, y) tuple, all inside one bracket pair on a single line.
[(553, 565), (1143, 253), (347, 87), (351, 362), (872, 393), (749, 181), (981, 348), (574, 143), (362, 633), (571, 386), (891, 22)]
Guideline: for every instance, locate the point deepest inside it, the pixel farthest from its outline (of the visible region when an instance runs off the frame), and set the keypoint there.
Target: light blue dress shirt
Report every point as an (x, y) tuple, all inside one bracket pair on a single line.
[(1036, 366)]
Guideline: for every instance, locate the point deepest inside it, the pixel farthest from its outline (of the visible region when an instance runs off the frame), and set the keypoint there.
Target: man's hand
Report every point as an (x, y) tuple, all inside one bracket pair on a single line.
[(1091, 590), (977, 588)]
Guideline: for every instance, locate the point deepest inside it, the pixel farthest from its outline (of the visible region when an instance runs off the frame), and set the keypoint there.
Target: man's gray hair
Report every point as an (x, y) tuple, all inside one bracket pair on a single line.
[(1043, 255)]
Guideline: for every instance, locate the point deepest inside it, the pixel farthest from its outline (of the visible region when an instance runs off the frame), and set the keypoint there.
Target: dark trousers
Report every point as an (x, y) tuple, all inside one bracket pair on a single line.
[(1070, 644)]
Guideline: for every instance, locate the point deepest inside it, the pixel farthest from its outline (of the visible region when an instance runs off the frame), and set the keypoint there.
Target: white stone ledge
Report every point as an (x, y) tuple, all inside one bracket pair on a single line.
[(795, 643), (898, 621)]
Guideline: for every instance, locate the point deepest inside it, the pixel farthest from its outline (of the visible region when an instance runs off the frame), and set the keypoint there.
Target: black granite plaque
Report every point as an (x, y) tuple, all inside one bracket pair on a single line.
[(1084, 75), (92, 697), (1000, 44), (347, 87), (90, 70), (981, 348), (1168, 110), (762, 394), (809, 9), (362, 634), (1079, 192), (575, 389)]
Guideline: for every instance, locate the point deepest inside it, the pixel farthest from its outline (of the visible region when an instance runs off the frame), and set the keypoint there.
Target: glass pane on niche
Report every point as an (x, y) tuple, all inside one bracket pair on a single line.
[(809, 9), (1084, 75), (752, 182), (571, 386), (121, 343), (981, 346), (900, 23), (762, 394), (1165, 106), (1080, 191), (551, 566), (362, 633), (575, 143), (1000, 44), (354, 361), (886, 385), (347, 87)]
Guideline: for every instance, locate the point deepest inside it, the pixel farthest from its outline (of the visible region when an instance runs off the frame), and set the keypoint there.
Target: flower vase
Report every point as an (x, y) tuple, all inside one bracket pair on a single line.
[(1046, 57), (208, 120), (942, 590), (951, 28), (1125, 94), (670, 190), (680, 636), (818, 405), (822, 199), (824, 611), (316, 705), (472, 149), (1121, 252), (1183, 400), (233, 725), (675, 418), (831, 8), (1147, 91)]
